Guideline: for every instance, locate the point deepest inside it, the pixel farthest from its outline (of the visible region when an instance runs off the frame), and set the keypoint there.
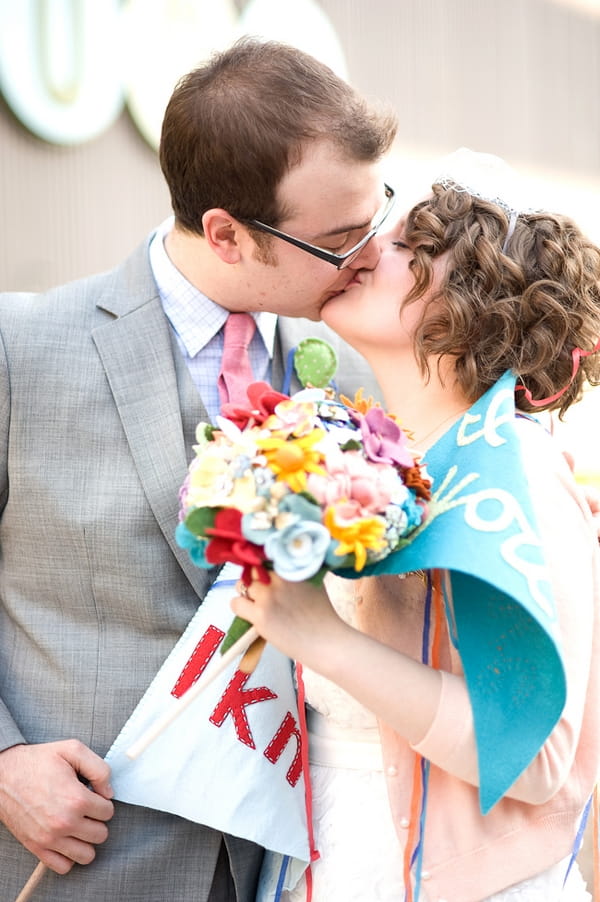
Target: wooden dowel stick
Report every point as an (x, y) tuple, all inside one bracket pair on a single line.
[(29, 888), (252, 656)]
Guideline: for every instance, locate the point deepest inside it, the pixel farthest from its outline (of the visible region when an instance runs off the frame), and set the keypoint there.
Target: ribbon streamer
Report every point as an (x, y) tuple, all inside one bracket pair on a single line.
[(576, 354)]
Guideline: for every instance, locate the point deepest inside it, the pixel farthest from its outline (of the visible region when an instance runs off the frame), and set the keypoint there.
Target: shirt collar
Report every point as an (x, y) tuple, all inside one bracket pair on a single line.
[(194, 317)]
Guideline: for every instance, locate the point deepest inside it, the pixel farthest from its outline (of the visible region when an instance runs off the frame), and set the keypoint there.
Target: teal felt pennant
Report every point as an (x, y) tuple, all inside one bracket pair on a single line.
[(481, 527)]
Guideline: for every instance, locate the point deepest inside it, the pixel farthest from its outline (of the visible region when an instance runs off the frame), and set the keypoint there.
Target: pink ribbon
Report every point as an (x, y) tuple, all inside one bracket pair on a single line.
[(576, 354)]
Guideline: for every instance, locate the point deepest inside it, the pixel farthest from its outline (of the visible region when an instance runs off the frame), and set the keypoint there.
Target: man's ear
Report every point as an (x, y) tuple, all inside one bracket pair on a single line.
[(224, 235)]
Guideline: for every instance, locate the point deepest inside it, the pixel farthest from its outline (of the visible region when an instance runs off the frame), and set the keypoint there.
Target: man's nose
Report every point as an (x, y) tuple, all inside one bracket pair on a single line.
[(369, 255)]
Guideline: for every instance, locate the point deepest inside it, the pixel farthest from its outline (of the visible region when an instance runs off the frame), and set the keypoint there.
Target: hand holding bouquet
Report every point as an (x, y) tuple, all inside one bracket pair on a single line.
[(300, 485), (297, 485)]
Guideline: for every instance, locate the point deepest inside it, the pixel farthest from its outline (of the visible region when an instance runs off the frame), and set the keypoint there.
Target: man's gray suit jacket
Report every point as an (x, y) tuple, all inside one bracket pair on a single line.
[(97, 418)]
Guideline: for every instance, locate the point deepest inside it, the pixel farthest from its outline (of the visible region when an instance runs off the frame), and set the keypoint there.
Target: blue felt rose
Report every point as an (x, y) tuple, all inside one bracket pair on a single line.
[(195, 546), (298, 550), (258, 527), (414, 512)]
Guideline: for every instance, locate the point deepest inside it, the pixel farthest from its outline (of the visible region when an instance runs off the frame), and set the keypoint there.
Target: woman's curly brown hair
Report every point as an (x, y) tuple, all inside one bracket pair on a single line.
[(525, 310)]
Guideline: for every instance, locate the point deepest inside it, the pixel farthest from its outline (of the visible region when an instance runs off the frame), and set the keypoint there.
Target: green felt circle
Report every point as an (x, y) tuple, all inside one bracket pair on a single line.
[(315, 362)]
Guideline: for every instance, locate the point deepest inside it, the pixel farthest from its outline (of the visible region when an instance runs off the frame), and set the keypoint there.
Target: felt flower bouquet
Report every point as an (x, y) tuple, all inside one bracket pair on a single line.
[(300, 485)]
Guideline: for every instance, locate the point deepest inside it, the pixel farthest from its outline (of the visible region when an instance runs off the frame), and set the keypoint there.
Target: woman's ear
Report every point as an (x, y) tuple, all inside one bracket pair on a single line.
[(223, 234)]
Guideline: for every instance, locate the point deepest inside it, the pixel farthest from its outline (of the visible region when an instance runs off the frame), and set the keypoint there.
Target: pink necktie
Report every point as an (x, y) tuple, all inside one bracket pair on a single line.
[(236, 370)]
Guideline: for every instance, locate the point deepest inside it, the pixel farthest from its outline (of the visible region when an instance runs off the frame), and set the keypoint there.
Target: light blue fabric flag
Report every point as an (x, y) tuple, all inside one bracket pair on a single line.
[(481, 527), (232, 759)]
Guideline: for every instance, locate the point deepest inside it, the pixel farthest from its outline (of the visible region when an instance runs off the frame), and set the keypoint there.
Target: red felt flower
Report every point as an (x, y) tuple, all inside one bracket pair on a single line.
[(228, 544), (263, 401)]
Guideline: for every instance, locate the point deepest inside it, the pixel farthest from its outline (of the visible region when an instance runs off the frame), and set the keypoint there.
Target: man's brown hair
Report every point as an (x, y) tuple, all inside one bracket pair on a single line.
[(234, 126)]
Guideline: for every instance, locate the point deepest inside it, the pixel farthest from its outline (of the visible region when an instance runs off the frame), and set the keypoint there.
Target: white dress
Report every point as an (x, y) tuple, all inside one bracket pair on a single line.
[(361, 859)]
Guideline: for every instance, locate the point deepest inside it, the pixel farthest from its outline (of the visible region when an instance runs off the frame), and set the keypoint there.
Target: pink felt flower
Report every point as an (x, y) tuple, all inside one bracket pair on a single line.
[(262, 403), (351, 477), (383, 439)]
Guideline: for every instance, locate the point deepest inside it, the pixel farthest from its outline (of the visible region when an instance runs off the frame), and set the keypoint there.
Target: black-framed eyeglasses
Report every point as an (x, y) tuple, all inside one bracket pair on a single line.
[(338, 260)]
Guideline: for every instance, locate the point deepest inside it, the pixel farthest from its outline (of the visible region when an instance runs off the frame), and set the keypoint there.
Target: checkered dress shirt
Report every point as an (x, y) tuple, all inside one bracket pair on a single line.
[(198, 325)]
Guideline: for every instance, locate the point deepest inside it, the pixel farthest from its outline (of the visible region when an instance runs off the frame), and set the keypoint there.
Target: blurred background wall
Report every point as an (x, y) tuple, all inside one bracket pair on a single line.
[(515, 77)]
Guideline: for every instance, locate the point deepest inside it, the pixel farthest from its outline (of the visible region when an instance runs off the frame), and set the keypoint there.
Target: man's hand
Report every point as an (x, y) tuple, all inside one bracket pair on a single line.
[(47, 807)]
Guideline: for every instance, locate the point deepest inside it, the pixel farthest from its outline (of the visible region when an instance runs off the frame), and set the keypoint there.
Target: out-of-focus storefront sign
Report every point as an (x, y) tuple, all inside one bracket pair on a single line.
[(68, 67)]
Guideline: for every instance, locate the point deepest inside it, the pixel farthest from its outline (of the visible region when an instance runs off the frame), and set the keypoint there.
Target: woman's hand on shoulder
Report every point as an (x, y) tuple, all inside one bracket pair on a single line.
[(592, 496), (591, 493)]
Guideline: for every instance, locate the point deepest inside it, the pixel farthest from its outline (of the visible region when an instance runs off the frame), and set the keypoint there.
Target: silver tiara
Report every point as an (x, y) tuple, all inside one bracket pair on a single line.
[(490, 178)]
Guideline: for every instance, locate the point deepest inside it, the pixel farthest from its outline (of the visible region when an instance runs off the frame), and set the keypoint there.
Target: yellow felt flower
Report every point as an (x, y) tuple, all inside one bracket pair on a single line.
[(356, 536), (209, 481), (242, 496), (211, 484), (291, 459)]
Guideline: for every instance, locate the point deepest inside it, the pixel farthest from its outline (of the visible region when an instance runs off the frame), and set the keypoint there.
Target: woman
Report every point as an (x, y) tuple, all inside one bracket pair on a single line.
[(466, 289)]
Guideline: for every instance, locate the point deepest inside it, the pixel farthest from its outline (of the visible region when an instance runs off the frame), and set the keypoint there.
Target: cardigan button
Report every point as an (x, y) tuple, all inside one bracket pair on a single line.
[(405, 823), (425, 875), (392, 771)]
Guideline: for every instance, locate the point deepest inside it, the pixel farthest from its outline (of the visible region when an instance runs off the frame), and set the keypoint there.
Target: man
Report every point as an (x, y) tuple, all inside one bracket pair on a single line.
[(272, 164)]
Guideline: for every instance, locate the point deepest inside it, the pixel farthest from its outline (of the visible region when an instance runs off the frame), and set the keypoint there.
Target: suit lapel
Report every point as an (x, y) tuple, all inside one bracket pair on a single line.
[(136, 352), (190, 403), (287, 336)]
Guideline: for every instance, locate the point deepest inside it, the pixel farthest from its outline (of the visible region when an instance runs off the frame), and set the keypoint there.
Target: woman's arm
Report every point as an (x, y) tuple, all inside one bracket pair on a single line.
[(430, 708), (298, 618)]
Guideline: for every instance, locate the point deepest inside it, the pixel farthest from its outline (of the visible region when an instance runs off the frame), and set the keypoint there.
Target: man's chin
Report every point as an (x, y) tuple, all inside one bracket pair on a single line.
[(331, 296)]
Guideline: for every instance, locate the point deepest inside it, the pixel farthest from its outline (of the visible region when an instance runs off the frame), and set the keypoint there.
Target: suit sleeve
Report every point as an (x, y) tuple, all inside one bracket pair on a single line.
[(9, 731)]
